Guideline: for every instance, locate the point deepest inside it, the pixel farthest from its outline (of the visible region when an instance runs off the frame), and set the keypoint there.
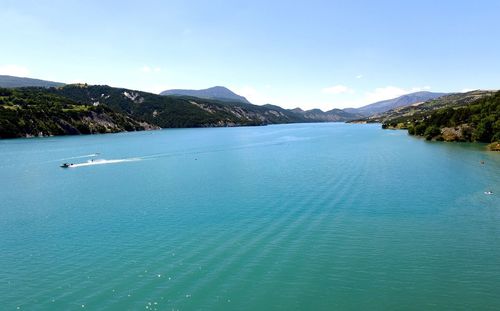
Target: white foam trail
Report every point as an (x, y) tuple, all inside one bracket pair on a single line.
[(102, 162)]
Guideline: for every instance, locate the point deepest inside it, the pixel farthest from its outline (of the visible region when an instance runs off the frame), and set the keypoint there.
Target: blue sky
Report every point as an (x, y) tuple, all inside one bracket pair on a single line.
[(322, 54)]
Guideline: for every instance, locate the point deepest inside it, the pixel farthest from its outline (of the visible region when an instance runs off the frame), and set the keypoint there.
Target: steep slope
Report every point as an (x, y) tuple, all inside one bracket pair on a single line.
[(186, 111), (421, 109), (386, 105), (217, 93), (175, 111), (26, 112), (85, 109), (473, 116), (13, 82)]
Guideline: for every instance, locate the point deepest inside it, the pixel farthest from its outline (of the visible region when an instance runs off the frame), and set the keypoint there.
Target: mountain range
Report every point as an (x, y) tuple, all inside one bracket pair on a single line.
[(419, 110), (470, 116), (32, 107), (223, 94), (87, 109), (386, 105)]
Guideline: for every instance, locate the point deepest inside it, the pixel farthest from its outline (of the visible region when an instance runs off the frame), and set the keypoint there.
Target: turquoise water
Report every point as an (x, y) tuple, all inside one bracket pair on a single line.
[(287, 217)]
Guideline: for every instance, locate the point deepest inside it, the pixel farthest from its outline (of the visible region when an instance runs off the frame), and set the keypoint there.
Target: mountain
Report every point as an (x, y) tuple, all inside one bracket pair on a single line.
[(471, 116), (86, 109), (13, 82), (217, 92), (175, 111), (27, 112), (386, 105), (318, 115), (454, 100)]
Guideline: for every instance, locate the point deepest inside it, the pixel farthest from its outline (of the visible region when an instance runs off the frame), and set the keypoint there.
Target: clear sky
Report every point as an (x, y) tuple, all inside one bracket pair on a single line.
[(322, 54)]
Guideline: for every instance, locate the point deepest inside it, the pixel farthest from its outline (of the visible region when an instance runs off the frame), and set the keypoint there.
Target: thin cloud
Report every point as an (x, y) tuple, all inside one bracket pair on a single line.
[(337, 89), (252, 94), (360, 76), (148, 69), (14, 70)]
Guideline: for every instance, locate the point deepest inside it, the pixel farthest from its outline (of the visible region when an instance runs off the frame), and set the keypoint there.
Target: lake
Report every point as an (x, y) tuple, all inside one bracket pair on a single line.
[(286, 217)]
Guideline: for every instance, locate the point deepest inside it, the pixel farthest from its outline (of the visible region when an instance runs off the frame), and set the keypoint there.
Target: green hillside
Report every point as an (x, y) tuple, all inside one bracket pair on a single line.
[(453, 119), (37, 112), (175, 111), (85, 109)]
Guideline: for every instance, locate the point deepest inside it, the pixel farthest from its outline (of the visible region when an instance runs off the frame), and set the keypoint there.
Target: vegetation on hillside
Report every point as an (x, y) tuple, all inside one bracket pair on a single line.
[(186, 111), (477, 121), (36, 112), (174, 111)]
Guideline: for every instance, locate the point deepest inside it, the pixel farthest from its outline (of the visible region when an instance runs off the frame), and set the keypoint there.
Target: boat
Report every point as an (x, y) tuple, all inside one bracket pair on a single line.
[(66, 165), (488, 192)]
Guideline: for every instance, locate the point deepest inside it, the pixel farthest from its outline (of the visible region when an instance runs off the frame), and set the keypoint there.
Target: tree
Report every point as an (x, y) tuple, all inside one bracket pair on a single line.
[(431, 132), (420, 129)]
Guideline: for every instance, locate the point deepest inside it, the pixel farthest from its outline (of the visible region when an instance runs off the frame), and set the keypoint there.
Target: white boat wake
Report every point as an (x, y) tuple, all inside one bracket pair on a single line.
[(102, 162)]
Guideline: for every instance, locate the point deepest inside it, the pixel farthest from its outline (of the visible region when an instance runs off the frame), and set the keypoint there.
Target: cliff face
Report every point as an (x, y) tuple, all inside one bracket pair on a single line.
[(494, 146), (461, 132), (91, 122), (32, 112)]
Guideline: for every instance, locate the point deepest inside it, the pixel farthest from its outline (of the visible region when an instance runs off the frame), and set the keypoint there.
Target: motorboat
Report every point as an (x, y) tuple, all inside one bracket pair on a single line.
[(66, 165), (488, 192)]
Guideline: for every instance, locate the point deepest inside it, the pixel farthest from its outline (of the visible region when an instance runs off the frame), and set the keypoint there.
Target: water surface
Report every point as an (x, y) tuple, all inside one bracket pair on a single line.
[(286, 217)]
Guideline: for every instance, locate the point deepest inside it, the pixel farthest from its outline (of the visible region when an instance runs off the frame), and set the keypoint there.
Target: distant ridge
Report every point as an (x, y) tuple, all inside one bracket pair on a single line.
[(14, 82), (470, 116), (69, 109), (386, 105), (318, 115), (216, 92), (453, 100)]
